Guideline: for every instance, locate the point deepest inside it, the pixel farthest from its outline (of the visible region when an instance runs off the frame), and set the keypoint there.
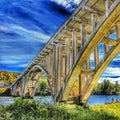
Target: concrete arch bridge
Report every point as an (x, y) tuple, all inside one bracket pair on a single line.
[(66, 58)]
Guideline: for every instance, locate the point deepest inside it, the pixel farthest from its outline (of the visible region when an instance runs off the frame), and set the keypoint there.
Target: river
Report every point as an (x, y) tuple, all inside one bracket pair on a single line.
[(93, 100)]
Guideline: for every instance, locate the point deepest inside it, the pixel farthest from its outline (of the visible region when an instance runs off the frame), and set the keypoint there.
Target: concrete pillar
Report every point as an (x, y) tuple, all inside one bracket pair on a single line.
[(88, 68), (81, 83), (71, 63), (23, 85), (106, 45), (67, 55), (51, 69), (94, 21), (83, 34), (58, 68), (118, 30), (44, 60), (14, 90), (48, 63), (106, 48), (54, 68), (107, 6), (63, 65), (96, 56), (74, 46)]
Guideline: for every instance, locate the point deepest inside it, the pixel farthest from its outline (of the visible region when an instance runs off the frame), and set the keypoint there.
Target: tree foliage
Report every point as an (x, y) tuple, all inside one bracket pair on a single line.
[(43, 88), (8, 77), (107, 88)]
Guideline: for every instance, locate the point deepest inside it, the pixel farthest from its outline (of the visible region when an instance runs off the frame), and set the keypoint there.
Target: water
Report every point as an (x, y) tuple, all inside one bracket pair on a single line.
[(44, 99), (102, 99), (6, 100), (93, 100)]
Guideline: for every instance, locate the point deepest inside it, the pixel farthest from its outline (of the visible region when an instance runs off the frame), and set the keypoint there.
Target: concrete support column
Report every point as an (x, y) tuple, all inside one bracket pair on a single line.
[(74, 46), (51, 69), (96, 56), (106, 48), (81, 83), (83, 34), (44, 61), (48, 63), (63, 65), (118, 30), (23, 85), (58, 68), (106, 45), (14, 90), (54, 68), (107, 6), (67, 55), (88, 68), (94, 21)]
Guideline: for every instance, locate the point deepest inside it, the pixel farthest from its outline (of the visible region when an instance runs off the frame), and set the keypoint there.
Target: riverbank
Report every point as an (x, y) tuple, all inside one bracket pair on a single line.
[(31, 110)]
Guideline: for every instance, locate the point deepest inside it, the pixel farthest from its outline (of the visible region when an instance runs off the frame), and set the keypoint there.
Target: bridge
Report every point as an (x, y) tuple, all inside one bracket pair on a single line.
[(66, 58)]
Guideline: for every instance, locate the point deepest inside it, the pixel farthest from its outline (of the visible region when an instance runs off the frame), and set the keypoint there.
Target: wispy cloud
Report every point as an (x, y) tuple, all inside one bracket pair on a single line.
[(113, 72), (112, 80)]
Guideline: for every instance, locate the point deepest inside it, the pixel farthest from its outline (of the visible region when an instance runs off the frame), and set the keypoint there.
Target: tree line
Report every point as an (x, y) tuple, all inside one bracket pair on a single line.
[(107, 88), (8, 77)]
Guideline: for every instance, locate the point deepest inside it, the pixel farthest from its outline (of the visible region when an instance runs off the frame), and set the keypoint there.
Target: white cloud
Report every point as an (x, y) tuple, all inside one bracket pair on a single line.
[(23, 65), (112, 80), (112, 72), (67, 3), (8, 61), (30, 34)]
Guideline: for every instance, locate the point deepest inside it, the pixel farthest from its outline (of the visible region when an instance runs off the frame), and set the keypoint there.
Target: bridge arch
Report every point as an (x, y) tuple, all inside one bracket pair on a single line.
[(32, 80)]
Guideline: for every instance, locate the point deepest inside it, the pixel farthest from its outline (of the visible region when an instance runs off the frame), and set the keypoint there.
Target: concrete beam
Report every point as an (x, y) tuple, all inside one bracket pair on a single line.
[(89, 72), (109, 41), (91, 10)]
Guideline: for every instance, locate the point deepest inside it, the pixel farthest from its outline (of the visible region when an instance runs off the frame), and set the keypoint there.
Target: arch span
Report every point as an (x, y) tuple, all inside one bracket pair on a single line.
[(32, 80)]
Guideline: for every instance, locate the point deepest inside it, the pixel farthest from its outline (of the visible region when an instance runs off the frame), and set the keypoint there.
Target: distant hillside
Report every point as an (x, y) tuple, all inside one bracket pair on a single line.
[(8, 77)]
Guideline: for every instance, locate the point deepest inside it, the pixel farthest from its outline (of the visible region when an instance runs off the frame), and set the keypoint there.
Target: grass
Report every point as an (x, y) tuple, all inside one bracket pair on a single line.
[(112, 109), (31, 110)]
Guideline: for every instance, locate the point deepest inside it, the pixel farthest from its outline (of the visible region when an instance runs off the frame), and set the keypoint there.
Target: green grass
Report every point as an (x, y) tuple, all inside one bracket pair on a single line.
[(31, 110), (112, 109)]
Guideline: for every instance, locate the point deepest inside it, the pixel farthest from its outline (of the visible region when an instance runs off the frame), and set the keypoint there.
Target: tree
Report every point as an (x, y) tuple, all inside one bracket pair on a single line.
[(108, 87), (43, 87), (117, 88)]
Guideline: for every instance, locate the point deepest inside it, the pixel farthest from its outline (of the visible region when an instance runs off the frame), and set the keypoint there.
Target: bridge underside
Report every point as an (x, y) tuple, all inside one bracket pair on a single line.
[(72, 60)]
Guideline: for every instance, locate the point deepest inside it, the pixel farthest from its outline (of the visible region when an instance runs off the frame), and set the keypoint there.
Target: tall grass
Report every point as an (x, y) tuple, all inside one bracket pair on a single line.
[(31, 110)]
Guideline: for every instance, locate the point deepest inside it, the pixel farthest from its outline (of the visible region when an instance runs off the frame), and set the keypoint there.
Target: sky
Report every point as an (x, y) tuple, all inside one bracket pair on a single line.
[(26, 26)]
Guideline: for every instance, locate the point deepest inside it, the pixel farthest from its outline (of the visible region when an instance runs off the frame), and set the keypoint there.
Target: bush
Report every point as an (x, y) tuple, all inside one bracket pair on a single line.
[(31, 110)]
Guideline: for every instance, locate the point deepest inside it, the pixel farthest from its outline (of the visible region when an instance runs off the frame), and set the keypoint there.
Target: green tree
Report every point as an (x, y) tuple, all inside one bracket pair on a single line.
[(117, 88), (108, 87), (43, 87)]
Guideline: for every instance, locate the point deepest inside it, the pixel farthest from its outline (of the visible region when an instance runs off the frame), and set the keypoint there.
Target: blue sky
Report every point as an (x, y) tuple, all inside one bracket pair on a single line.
[(25, 27)]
